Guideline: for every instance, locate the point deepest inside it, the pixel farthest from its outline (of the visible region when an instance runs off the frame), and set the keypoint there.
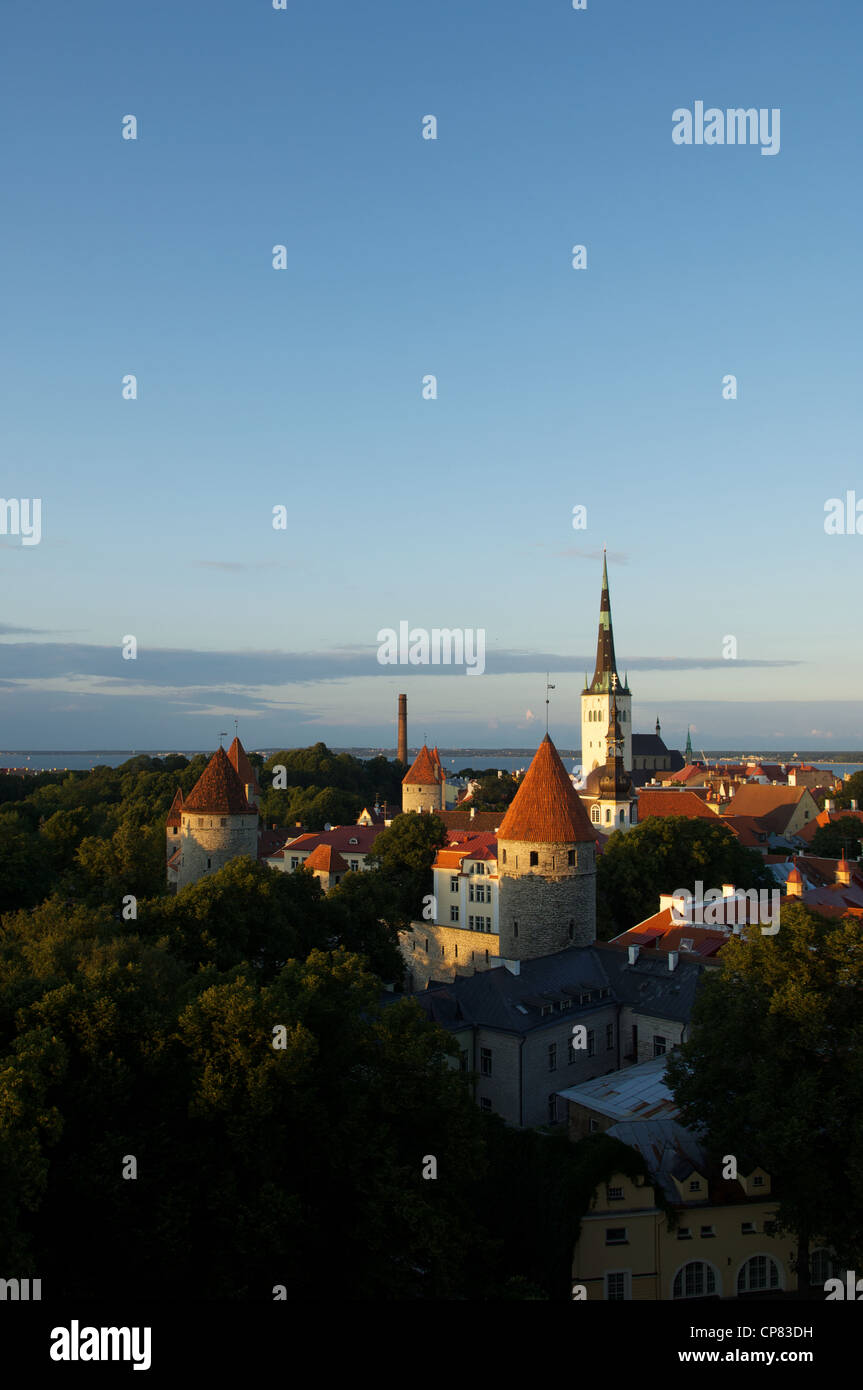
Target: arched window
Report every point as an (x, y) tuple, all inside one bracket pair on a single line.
[(759, 1272), (622, 818), (695, 1280), (594, 814)]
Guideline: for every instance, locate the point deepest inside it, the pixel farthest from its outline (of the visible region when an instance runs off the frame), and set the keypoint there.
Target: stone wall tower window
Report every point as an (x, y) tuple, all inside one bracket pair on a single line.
[(534, 858)]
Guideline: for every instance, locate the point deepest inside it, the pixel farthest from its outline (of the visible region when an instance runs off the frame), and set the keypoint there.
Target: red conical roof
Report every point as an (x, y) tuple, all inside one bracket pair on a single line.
[(424, 771), (219, 790), (242, 766), (546, 809), (176, 808)]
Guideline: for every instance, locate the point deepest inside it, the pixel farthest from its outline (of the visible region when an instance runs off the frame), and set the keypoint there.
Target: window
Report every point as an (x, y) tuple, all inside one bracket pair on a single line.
[(480, 892), (470, 923), (552, 1056), (695, 1280), (747, 1228), (658, 1045), (593, 1126), (294, 861), (355, 865), (591, 1043), (453, 914), (223, 820), (757, 1182), (484, 1104), (200, 820), (427, 945), (609, 1037), (571, 928), (515, 928), (614, 1194), (759, 1272), (534, 858), (570, 858), (471, 892), (504, 856), (684, 1233), (616, 1235), (695, 1185), (617, 1286), (485, 1061), (607, 814), (594, 814), (453, 883), (479, 868), (707, 1232), (552, 1108), (209, 863)]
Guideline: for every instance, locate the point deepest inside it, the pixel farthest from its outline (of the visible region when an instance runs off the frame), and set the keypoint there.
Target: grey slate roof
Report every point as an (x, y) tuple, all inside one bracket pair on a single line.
[(635, 1093), (498, 999), (668, 1149)]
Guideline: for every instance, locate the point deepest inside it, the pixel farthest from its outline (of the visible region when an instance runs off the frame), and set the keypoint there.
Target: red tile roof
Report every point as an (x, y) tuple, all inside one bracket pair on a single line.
[(176, 808), (243, 767), (219, 790), (424, 772), (460, 819), (807, 831), (547, 809), (673, 803), (340, 837), (327, 859), (774, 805)]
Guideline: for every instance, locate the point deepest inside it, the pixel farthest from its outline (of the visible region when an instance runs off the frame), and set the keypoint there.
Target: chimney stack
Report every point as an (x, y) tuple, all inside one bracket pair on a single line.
[(402, 752), (673, 957)]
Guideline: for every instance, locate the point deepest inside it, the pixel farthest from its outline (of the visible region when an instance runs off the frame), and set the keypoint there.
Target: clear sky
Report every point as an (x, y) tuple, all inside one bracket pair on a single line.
[(557, 387)]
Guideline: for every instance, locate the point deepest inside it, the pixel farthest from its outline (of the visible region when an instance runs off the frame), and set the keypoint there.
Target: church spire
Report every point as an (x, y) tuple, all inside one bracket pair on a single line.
[(606, 665), (688, 754)]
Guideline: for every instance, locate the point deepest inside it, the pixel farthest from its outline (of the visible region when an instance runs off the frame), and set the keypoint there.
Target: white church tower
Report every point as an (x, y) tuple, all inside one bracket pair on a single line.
[(597, 696)]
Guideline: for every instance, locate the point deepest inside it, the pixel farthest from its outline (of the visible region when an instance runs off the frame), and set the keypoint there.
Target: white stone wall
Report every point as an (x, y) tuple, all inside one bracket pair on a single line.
[(209, 842)]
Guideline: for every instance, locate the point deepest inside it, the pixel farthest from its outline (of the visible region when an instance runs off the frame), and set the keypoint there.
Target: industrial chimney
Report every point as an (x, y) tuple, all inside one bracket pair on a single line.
[(402, 753)]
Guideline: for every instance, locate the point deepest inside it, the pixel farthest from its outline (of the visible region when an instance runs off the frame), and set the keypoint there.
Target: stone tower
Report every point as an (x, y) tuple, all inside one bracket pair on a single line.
[(615, 801), (216, 822), (172, 824), (596, 696), (423, 783), (546, 863)]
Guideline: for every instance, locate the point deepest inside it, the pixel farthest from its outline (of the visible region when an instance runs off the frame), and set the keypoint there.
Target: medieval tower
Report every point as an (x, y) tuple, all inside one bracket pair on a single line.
[(597, 695), (423, 786), (546, 862), (217, 823), (615, 806)]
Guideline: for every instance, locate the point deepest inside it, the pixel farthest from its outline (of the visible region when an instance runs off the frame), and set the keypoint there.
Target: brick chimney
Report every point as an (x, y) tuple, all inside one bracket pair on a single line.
[(843, 871), (402, 752)]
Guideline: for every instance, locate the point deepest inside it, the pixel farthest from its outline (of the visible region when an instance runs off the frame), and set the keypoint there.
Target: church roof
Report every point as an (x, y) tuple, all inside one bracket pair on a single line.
[(219, 790), (243, 767), (424, 771), (176, 808), (606, 665), (546, 809)]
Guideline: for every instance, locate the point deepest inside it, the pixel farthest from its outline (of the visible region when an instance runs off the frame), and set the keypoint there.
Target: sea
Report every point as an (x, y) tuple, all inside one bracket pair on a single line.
[(453, 759)]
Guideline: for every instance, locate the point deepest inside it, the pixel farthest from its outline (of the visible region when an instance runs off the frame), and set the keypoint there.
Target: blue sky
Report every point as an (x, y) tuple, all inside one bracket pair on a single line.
[(406, 256)]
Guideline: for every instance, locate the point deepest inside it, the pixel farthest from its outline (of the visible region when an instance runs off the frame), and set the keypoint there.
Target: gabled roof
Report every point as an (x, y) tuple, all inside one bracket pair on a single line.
[(547, 809), (460, 819), (176, 808), (662, 802), (327, 859), (243, 767), (347, 839), (774, 805), (424, 771), (219, 790)]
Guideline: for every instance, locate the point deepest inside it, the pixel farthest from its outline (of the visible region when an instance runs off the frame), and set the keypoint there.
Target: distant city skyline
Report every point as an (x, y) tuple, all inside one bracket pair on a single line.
[(557, 388)]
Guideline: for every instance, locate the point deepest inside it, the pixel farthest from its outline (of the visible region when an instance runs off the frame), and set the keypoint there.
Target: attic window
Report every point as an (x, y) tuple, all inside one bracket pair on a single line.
[(353, 841), (687, 943)]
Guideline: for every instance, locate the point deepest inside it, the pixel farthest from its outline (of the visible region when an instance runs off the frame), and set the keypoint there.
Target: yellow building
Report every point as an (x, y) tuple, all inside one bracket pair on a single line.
[(716, 1245)]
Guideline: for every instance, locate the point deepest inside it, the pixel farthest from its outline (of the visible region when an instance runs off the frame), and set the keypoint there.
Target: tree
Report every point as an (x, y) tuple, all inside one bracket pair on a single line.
[(773, 1074), (495, 791), (837, 838), (852, 790), (404, 853), (661, 855)]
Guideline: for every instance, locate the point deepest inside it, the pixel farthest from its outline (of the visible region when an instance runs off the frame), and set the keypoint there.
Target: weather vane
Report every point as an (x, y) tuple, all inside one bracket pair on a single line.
[(547, 689), (223, 733)]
